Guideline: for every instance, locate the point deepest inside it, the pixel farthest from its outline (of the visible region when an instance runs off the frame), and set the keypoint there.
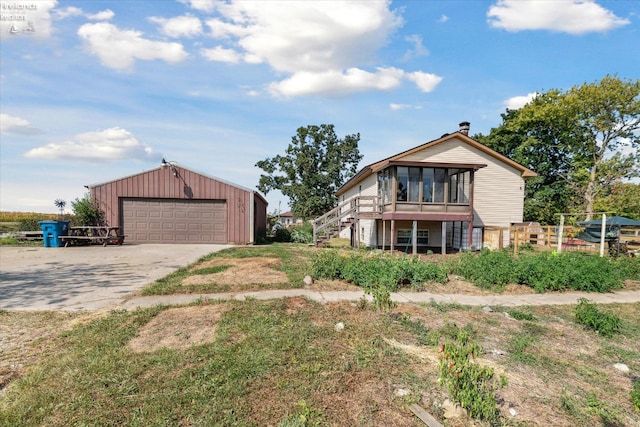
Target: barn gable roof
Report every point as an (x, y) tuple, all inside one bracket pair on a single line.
[(177, 165)]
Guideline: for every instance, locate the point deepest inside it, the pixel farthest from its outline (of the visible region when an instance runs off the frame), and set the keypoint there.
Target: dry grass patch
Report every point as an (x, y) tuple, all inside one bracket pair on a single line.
[(178, 328), (25, 337), (242, 272)]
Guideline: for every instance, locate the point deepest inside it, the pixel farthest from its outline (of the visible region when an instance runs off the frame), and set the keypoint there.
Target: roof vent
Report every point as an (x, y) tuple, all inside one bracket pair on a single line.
[(464, 127)]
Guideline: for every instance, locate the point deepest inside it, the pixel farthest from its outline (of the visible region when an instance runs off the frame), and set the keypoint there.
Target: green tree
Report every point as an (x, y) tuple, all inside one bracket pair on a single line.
[(622, 198), (87, 211), (316, 163), (575, 141)]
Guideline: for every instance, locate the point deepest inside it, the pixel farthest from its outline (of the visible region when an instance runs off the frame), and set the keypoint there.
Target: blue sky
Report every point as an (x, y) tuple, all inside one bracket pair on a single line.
[(95, 91)]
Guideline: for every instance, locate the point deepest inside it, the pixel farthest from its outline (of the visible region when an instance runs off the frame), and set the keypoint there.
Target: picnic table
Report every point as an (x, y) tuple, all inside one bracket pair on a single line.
[(85, 234)]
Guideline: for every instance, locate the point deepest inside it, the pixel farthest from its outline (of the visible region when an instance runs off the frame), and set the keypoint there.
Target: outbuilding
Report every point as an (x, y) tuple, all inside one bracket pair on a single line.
[(173, 204)]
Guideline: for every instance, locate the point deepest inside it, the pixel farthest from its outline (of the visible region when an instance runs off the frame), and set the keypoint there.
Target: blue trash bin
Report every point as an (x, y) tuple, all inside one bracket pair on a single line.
[(51, 231)]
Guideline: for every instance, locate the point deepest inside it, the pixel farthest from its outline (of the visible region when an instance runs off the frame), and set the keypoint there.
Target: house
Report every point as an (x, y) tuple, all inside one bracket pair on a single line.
[(441, 195), (173, 204), (287, 219)]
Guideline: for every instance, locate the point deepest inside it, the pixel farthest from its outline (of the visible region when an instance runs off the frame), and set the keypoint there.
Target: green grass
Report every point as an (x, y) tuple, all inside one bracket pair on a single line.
[(265, 366), (281, 362)]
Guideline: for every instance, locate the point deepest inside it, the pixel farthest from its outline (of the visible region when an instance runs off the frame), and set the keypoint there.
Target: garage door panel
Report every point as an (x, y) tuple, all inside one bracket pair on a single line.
[(174, 221)]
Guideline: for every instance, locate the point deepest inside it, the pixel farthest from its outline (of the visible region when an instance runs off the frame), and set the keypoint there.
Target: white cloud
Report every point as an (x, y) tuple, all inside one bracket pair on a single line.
[(325, 47), (107, 145), (202, 5), (336, 82), (119, 49), (517, 102), (308, 36), (443, 19), (418, 47), (180, 26), (573, 17), (221, 54), (399, 106), (67, 12), (26, 18), (104, 15), (16, 125), (426, 82)]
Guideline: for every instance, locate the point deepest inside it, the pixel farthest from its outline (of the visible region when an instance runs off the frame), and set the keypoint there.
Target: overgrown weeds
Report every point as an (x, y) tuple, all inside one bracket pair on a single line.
[(469, 384), (367, 269), (546, 271), (604, 323)]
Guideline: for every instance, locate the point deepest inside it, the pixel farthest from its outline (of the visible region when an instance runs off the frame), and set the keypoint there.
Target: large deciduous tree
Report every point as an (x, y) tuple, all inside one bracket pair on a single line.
[(314, 166), (581, 142)]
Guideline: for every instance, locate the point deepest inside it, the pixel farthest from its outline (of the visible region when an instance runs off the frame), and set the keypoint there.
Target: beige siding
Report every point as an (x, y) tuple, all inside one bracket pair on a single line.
[(498, 188), (368, 187)]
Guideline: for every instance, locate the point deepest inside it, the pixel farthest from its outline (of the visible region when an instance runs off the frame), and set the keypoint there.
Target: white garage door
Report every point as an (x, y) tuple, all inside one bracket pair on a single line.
[(174, 221)]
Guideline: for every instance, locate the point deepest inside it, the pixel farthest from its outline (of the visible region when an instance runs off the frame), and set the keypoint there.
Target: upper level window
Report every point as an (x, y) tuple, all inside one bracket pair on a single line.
[(403, 183), (384, 186), (438, 185), (459, 182), (408, 184), (433, 185)]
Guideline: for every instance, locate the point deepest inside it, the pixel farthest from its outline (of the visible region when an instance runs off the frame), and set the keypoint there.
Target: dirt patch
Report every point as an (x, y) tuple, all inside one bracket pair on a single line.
[(242, 271), (178, 328)]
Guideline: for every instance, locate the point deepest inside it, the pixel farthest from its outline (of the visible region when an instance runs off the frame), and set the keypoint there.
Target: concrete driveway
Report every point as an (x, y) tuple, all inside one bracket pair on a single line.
[(86, 277)]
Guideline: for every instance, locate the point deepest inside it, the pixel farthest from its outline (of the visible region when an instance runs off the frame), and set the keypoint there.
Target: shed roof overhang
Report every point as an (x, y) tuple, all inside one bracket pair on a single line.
[(383, 165)]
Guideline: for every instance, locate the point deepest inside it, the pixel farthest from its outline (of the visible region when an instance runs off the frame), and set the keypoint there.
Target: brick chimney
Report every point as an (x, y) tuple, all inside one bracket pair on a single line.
[(464, 127)]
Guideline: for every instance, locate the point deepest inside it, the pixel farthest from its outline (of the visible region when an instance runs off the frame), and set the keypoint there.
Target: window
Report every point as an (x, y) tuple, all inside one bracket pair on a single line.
[(459, 186), (384, 186), (408, 184), (427, 185), (403, 183), (438, 185), (404, 237), (423, 237), (414, 185)]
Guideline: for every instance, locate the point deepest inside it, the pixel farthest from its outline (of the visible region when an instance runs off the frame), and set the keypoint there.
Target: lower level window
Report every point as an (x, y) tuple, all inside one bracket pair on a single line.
[(404, 237)]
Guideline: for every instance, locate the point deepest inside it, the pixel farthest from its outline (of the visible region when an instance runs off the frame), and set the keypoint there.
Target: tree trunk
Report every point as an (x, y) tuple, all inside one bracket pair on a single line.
[(589, 194)]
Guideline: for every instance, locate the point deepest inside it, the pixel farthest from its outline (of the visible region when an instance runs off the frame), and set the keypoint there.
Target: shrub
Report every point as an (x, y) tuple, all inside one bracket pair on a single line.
[(327, 265), (261, 236), (302, 233), (545, 271), (282, 235), (486, 269), (30, 223), (587, 314), (87, 211), (572, 270), (376, 270), (628, 268)]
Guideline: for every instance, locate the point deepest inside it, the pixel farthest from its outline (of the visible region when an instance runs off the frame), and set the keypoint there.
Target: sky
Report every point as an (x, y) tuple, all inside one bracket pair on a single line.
[(95, 91)]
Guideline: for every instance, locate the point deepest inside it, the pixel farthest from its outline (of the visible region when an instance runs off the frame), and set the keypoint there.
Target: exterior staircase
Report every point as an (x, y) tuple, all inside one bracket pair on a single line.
[(345, 215)]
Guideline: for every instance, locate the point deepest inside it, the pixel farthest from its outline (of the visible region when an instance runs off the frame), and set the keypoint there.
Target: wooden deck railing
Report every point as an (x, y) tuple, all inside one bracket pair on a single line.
[(344, 215)]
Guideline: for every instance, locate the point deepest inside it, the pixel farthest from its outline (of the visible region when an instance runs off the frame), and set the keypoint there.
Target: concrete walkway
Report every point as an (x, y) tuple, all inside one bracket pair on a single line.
[(400, 297)]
